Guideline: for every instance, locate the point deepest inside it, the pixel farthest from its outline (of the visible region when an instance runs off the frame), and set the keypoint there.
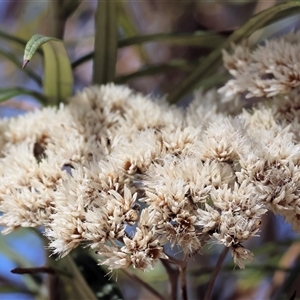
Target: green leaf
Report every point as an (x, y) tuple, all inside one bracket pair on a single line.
[(284, 14), (199, 39), (13, 38), (32, 46), (105, 55), (155, 69), (8, 93), (58, 78), (214, 60)]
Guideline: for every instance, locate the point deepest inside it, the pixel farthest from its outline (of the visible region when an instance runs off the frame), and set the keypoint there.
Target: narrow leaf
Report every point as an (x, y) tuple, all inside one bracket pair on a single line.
[(199, 39), (13, 38), (156, 69), (32, 46), (105, 55), (214, 60), (58, 77), (8, 93)]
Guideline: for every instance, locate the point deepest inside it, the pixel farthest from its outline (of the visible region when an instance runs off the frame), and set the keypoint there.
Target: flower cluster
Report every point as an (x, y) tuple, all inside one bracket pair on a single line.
[(128, 175), (269, 70)]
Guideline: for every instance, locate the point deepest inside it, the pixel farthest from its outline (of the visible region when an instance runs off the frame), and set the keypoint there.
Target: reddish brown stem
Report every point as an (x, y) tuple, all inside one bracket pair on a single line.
[(182, 273), (33, 270), (215, 273), (173, 273), (143, 283)]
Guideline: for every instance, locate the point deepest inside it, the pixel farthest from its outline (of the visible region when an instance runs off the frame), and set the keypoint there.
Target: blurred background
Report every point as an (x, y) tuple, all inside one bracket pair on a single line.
[(154, 67)]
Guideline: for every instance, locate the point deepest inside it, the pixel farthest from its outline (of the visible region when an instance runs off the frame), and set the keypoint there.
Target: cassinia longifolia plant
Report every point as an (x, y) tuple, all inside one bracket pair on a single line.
[(129, 175)]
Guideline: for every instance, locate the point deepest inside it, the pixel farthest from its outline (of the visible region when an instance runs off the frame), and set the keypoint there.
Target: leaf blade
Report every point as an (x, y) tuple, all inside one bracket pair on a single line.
[(32, 45), (152, 70), (58, 77), (105, 54), (7, 93), (199, 39)]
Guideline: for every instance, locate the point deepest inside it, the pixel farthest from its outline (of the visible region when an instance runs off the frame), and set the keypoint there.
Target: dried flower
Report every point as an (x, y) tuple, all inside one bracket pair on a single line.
[(269, 70), (129, 176)]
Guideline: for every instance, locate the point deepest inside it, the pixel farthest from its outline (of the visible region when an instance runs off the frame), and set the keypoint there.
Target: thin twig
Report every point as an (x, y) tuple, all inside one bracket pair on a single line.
[(53, 280), (215, 273), (173, 273), (143, 283), (54, 287), (33, 270)]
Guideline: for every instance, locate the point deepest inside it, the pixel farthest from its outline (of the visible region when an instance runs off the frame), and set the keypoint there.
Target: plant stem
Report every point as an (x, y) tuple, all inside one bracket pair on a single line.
[(143, 283), (54, 287), (182, 273), (33, 270), (215, 273), (61, 11), (173, 274), (174, 261)]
